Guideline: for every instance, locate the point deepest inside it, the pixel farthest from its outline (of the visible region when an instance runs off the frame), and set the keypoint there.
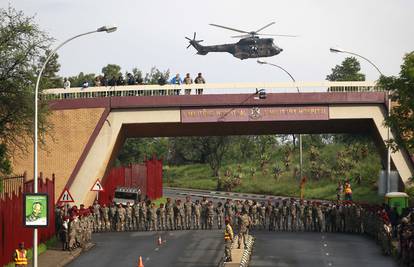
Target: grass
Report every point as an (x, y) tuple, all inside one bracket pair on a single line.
[(40, 249), (198, 176)]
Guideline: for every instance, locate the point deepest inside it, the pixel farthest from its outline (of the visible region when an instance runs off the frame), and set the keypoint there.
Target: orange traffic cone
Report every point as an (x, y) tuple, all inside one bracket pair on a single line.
[(159, 241), (140, 264)]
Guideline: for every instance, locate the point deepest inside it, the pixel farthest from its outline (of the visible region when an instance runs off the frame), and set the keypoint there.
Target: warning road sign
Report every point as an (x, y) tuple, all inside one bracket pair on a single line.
[(66, 196), (97, 186)]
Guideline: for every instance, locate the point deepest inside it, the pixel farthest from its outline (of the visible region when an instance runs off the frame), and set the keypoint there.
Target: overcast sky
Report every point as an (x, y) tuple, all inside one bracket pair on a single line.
[(151, 33)]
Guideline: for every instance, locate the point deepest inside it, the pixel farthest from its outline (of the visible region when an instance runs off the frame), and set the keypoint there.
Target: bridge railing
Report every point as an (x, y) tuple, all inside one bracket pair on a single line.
[(209, 88)]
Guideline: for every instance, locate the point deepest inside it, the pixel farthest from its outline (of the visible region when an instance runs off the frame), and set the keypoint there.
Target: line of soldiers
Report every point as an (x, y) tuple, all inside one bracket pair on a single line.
[(74, 227), (274, 215)]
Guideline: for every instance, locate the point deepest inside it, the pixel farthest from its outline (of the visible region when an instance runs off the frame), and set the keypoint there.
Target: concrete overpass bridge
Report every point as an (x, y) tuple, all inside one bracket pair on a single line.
[(90, 125)]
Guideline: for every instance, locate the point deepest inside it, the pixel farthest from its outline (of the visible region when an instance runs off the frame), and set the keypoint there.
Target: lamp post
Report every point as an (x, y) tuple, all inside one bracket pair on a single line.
[(300, 135), (107, 29), (340, 50)]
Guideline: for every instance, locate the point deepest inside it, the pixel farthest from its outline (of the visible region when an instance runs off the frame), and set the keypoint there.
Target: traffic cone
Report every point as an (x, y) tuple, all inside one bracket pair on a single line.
[(140, 264), (159, 241)]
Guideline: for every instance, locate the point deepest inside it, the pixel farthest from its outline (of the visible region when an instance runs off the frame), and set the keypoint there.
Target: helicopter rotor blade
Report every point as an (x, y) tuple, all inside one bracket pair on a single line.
[(279, 35), (188, 46), (264, 27), (188, 38), (241, 36), (194, 36), (228, 28)]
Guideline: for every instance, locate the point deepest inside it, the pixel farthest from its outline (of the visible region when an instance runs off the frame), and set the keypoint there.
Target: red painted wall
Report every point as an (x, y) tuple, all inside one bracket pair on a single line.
[(147, 176), (12, 231)]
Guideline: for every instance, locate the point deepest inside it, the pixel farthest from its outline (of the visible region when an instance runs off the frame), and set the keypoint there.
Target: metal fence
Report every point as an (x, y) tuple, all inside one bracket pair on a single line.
[(10, 185), (208, 88)]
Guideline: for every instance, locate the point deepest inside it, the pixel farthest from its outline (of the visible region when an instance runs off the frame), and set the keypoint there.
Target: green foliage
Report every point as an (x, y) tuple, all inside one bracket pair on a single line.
[(50, 79), (137, 149), (77, 81), (347, 71), (22, 47), (112, 71), (197, 176), (155, 76), (402, 90)]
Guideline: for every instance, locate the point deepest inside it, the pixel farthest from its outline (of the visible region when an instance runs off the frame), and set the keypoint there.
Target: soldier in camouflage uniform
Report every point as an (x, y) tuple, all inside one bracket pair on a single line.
[(72, 233), (320, 226), (285, 214), (277, 213), (210, 215), (293, 215), (228, 210), (112, 216), (143, 211), (97, 216), (244, 224), (254, 215), (161, 217), (152, 218), (169, 210), (179, 215), (128, 217), (220, 214), (120, 218), (197, 214), (308, 219), (188, 206), (135, 216), (262, 215), (106, 225), (203, 218), (302, 217)]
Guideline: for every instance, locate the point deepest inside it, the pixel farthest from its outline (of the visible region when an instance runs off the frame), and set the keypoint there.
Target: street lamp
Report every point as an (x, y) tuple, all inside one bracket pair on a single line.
[(300, 135), (339, 50), (107, 29)]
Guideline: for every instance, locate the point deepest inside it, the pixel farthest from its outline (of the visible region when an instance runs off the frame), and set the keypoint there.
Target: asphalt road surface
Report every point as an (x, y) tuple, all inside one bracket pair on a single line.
[(201, 248), (316, 249)]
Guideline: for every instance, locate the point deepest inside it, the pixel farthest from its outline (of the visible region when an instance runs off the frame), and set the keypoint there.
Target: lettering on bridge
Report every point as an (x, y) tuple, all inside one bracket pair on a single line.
[(255, 114)]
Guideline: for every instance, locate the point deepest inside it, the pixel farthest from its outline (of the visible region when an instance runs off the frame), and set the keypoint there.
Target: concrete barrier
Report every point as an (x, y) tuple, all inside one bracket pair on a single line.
[(240, 256)]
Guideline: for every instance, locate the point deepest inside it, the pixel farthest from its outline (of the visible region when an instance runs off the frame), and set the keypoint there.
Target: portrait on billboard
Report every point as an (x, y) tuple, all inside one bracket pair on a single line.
[(35, 210)]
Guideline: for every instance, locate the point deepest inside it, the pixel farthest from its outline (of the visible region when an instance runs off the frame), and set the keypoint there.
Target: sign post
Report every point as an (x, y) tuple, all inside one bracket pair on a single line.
[(36, 210), (97, 187)]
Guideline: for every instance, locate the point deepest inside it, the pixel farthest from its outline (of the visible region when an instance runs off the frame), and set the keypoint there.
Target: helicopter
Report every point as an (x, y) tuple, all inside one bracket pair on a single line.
[(249, 46)]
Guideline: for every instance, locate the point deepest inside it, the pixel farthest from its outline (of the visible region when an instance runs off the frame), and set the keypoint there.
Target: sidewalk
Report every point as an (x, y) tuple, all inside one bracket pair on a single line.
[(55, 257)]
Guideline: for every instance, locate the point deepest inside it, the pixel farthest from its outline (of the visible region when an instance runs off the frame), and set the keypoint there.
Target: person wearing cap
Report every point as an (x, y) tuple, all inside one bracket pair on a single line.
[(228, 239), (20, 256), (187, 80), (199, 80)]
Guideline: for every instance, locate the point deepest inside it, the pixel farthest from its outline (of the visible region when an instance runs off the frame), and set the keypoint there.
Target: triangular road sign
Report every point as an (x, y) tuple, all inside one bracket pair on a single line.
[(97, 186), (66, 196)]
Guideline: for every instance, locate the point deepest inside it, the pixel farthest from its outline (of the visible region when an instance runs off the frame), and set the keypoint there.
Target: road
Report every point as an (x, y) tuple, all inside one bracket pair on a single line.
[(316, 249), (180, 249)]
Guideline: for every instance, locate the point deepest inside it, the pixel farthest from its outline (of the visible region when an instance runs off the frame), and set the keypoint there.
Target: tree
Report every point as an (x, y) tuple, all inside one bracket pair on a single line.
[(77, 81), (402, 116), (111, 71), (22, 46), (347, 71), (155, 76), (50, 79)]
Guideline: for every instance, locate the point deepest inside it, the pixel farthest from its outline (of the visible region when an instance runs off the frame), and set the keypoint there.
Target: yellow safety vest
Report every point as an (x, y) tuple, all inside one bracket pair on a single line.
[(348, 190), (228, 233), (21, 258)]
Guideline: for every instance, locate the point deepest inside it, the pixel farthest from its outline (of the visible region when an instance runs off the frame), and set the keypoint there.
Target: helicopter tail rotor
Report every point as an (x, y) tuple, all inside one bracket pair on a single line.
[(196, 44)]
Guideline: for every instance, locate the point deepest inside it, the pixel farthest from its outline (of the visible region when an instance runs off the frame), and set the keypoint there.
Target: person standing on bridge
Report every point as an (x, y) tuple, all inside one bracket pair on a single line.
[(199, 80), (187, 80), (228, 240)]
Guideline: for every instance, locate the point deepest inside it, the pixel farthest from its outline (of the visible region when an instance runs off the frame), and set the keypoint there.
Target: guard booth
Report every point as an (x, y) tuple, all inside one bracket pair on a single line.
[(398, 200)]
